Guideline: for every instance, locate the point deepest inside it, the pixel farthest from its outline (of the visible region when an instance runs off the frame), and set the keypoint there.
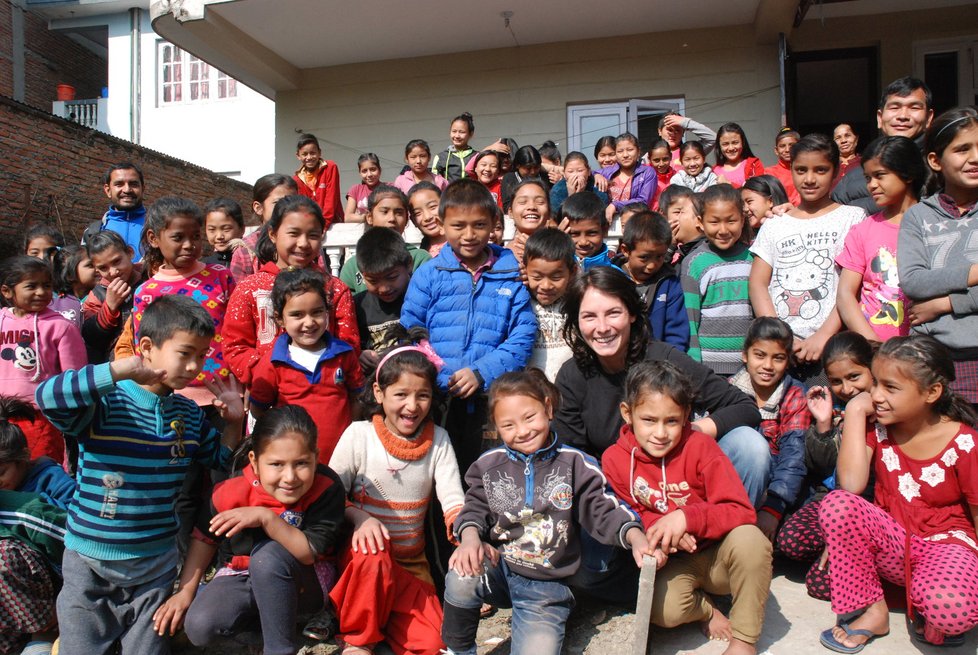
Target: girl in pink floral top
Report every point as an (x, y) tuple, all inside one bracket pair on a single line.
[(172, 244), (916, 435)]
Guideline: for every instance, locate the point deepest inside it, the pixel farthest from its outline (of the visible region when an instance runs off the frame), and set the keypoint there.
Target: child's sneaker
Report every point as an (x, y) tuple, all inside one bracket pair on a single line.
[(321, 627)]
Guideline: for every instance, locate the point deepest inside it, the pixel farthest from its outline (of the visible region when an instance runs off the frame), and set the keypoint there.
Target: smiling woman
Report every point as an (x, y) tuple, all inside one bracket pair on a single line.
[(606, 330)]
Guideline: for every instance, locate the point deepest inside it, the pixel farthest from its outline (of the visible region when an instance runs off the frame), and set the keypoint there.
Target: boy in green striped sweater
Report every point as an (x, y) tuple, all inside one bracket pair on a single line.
[(136, 440), (714, 279)]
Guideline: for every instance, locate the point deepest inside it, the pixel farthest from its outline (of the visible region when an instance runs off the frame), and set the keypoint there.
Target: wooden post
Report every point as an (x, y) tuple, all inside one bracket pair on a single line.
[(643, 608)]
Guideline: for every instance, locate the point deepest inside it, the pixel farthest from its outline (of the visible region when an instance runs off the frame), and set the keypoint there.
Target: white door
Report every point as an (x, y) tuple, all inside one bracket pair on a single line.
[(588, 123)]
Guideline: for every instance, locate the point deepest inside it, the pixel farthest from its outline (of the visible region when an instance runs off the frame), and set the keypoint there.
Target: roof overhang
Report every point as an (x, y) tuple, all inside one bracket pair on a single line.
[(268, 45)]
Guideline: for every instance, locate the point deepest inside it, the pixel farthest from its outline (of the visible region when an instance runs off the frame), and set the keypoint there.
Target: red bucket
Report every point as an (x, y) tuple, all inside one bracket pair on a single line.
[(66, 92)]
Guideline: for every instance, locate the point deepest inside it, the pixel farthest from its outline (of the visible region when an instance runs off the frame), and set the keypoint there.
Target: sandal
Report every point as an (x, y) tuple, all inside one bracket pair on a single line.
[(321, 627), (950, 641), (829, 641), (350, 649)]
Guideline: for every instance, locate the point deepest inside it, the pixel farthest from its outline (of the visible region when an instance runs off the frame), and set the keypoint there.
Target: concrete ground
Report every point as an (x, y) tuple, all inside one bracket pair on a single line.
[(793, 622)]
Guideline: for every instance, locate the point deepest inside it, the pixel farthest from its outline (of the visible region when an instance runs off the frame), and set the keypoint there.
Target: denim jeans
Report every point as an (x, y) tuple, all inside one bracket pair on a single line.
[(750, 454), (540, 610), (607, 573)]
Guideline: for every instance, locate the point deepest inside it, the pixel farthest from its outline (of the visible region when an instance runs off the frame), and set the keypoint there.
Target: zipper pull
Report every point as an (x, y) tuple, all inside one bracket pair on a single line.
[(526, 469)]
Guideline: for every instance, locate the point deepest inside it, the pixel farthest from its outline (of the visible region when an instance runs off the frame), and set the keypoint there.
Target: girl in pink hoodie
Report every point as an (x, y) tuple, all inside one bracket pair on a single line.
[(36, 343)]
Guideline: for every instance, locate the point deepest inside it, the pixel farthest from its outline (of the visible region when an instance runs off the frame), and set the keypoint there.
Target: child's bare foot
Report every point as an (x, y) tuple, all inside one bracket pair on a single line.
[(738, 647), (718, 627), (874, 622)]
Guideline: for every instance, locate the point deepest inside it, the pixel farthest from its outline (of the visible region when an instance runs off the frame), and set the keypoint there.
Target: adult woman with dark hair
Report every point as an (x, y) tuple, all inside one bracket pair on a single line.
[(607, 333)]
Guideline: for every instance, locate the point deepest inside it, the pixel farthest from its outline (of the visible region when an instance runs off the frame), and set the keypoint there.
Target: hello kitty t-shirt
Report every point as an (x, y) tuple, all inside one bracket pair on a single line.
[(801, 253)]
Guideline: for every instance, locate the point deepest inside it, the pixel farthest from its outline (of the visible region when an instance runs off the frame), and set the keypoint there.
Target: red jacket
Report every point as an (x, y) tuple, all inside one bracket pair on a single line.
[(250, 329), (783, 173), (327, 191), (701, 482), (278, 380), (319, 514)]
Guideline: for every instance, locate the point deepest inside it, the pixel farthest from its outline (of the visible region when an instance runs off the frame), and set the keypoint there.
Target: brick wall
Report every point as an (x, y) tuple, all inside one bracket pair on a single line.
[(50, 58), (51, 170)]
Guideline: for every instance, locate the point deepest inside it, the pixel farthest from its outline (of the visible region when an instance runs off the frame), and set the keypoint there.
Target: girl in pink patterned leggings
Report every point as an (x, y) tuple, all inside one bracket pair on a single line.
[(916, 435)]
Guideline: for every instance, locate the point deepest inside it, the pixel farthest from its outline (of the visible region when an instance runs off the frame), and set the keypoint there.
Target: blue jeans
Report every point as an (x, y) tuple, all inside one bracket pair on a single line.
[(540, 610), (750, 454), (607, 573)]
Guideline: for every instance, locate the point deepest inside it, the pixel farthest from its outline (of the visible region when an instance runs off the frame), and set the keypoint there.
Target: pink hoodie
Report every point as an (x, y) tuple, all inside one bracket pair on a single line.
[(26, 360)]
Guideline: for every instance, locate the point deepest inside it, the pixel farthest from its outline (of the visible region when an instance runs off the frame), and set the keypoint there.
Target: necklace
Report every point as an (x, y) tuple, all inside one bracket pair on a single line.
[(393, 470), (662, 505)]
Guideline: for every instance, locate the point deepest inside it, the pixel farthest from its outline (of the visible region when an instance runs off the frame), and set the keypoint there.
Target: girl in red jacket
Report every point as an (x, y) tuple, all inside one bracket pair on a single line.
[(292, 238), (698, 519), (735, 161)]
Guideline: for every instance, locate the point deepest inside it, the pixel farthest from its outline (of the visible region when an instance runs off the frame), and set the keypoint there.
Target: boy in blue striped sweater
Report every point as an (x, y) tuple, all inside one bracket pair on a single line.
[(136, 439)]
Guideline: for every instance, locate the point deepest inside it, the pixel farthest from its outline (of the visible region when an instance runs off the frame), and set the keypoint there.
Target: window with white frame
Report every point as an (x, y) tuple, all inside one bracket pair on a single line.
[(183, 78)]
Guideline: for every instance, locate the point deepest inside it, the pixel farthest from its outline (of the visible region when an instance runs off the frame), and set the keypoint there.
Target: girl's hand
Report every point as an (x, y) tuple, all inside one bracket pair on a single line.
[(667, 532), (369, 359), (227, 397), (823, 560), (556, 173), (862, 404), (169, 616), (811, 348), (639, 544), (233, 521), (688, 543), (135, 369), (819, 401), (370, 535), (609, 213), (600, 182), (927, 310), (660, 558), (673, 121), (778, 210), (468, 557), (116, 293), (576, 183)]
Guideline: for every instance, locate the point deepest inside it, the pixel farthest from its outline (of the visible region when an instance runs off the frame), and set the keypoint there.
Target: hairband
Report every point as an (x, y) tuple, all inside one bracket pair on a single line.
[(966, 117), (423, 347)]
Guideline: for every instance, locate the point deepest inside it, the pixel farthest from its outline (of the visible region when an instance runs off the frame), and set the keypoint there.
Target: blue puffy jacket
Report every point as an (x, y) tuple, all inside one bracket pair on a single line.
[(488, 326), (667, 312)]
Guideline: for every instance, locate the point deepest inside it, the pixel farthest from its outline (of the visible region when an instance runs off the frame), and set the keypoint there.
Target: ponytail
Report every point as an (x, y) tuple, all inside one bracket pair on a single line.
[(13, 442)]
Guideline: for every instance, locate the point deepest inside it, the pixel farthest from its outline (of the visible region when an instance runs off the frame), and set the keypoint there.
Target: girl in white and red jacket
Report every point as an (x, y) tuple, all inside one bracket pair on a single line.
[(699, 522)]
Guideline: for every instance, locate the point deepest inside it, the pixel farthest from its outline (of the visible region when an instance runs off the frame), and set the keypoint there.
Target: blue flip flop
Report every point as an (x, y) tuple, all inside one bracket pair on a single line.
[(830, 642)]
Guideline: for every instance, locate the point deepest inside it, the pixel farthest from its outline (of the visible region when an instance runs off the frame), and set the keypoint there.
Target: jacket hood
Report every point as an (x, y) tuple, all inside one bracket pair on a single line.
[(935, 204)]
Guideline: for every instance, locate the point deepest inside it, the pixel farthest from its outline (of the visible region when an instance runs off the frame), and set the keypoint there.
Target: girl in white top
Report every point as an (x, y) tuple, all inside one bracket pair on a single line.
[(794, 276)]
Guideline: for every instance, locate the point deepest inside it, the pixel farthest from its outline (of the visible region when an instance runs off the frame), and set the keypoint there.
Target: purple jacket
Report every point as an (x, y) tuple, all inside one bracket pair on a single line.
[(644, 184)]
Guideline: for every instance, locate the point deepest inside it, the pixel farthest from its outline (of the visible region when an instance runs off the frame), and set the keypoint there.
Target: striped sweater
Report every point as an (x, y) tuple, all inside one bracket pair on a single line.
[(391, 478), (134, 451), (715, 290)]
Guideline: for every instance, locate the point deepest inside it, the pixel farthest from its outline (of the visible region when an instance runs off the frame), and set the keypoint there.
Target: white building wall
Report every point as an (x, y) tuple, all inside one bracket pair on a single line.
[(524, 92), (227, 136)]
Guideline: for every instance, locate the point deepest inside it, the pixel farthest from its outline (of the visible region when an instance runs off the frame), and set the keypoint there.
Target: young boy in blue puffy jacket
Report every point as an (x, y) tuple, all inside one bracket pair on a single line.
[(476, 309)]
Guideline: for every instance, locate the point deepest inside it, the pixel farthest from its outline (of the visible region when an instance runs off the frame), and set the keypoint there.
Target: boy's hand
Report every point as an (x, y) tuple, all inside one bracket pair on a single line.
[(233, 521), (768, 524), (370, 535), (135, 369), (820, 405), (667, 532), (468, 557), (116, 293), (168, 618), (463, 383), (227, 397)]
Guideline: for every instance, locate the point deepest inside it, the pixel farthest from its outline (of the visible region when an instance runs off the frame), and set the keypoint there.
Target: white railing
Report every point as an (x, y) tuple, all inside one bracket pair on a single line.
[(89, 112), (341, 240)]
